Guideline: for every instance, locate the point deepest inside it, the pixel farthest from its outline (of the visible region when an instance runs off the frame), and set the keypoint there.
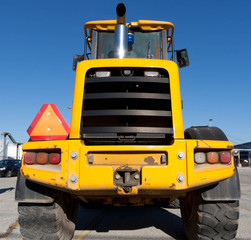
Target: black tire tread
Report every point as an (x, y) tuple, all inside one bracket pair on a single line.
[(44, 222), (225, 217), (212, 221), (174, 204)]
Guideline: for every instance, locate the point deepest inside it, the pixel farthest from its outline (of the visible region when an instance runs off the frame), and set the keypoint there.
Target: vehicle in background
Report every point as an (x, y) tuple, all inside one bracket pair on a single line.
[(9, 167)]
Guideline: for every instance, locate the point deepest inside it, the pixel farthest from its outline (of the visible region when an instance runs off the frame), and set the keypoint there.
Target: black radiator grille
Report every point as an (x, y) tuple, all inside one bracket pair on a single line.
[(127, 109)]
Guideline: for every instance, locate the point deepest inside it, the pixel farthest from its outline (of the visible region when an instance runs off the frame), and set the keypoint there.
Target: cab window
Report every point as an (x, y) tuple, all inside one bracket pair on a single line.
[(145, 45)]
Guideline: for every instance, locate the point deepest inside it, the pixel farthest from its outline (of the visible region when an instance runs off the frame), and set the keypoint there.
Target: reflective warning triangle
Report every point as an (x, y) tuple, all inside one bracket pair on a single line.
[(49, 124)]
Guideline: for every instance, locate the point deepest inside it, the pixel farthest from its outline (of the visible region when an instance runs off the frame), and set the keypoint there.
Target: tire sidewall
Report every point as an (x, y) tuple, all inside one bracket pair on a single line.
[(189, 213)]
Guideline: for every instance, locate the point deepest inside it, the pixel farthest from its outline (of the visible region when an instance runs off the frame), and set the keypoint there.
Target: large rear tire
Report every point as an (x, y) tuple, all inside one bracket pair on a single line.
[(206, 220), (211, 219), (55, 221)]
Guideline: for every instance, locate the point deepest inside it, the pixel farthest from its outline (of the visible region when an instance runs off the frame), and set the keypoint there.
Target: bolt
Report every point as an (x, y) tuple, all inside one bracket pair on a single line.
[(74, 178), (136, 177), (180, 178), (74, 155), (117, 176), (180, 155)]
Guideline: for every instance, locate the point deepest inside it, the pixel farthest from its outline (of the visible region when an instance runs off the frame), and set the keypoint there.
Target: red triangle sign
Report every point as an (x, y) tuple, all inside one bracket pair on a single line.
[(49, 124)]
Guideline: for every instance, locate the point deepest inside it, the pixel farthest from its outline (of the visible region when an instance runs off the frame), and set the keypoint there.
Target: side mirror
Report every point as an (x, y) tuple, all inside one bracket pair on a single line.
[(182, 58), (76, 59)]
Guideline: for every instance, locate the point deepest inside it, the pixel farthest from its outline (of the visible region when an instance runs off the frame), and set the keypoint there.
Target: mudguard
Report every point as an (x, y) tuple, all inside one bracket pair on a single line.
[(30, 192), (225, 190)]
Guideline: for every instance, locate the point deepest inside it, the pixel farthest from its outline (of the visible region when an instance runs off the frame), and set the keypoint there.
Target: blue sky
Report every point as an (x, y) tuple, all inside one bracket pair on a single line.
[(39, 38)]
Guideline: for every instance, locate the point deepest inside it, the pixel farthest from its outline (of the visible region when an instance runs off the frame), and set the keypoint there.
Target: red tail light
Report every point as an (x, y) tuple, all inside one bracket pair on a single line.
[(225, 157), (54, 158), (29, 158)]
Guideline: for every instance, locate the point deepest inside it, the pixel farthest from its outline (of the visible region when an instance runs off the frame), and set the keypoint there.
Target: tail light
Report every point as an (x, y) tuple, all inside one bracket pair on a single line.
[(212, 157), (42, 158), (223, 157), (29, 158), (200, 157), (54, 158)]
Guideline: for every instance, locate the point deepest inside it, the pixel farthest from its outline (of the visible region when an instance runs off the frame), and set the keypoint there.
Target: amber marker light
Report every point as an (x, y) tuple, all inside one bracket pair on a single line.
[(42, 158), (212, 157)]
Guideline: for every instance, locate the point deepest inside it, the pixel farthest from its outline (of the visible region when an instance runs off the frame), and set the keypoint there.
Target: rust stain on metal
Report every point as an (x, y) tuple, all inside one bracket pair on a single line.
[(53, 179), (197, 144), (172, 186), (150, 161), (230, 147), (207, 144), (148, 180), (125, 167)]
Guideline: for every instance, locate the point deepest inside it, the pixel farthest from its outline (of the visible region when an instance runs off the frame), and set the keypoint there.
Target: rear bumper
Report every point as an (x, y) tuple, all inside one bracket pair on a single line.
[(84, 177)]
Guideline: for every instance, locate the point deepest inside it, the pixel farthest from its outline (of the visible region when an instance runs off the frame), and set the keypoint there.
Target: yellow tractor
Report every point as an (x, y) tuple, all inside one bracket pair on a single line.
[(126, 142)]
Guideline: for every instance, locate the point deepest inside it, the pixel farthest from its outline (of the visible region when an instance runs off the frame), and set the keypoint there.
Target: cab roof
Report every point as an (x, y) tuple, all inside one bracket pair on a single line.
[(143, 25)]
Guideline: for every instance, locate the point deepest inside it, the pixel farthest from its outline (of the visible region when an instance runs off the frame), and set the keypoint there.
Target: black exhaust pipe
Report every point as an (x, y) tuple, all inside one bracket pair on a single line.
[(121, 11)]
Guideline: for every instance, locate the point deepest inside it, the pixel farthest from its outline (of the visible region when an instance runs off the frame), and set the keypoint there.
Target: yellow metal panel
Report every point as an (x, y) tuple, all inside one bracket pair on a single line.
[(50, 175), (170, 66), (157, 177), (73, 166), (148, 25), (132, 158), (144, 25), (77, 101), (211, 173), (107, 25), (153, 177)]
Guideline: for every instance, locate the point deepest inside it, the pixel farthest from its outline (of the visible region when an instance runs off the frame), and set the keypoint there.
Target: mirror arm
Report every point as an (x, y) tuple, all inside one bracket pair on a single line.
[(76, 59), (173, 57), (79, 58)]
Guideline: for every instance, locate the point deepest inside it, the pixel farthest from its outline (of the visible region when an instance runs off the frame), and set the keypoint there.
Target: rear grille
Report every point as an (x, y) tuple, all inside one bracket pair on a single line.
[(127, 109)]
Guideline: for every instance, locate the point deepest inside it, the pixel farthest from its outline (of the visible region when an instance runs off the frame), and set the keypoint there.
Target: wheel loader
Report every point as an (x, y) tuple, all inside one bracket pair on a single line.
[(126, 144)]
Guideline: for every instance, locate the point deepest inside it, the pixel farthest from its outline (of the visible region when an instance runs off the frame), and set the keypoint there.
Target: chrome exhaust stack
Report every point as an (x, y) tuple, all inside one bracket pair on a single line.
[(121, 35)]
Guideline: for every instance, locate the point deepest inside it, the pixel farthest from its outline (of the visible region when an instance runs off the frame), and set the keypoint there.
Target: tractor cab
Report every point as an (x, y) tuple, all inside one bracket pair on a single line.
[(143, 39)]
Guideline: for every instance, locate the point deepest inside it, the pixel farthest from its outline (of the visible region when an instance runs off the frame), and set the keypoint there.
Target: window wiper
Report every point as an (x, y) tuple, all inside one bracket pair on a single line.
[(148, 50)]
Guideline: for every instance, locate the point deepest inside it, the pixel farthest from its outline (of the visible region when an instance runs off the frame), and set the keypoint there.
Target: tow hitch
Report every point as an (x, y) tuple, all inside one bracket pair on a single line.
[(126, 177)]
